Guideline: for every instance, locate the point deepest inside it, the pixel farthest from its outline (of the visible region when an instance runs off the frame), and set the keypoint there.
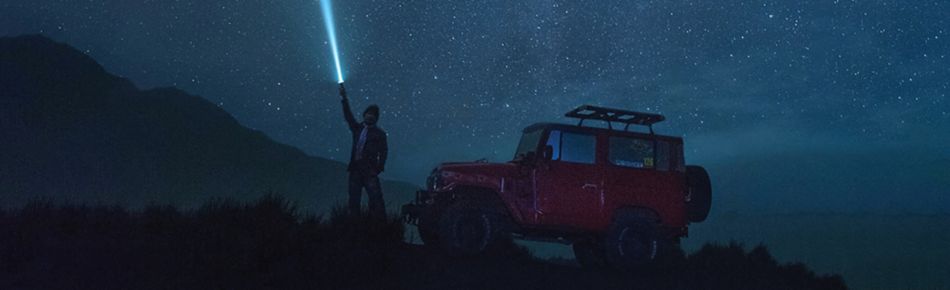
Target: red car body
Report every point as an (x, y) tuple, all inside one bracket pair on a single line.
[(545, 195)]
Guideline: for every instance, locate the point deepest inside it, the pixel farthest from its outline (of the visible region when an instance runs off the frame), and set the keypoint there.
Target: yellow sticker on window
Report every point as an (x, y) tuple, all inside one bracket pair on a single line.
[(648, 162)]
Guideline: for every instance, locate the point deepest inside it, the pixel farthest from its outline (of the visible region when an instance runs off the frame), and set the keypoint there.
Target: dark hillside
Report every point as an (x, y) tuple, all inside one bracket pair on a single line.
[(869, 250), (267, 245), (71, 131)]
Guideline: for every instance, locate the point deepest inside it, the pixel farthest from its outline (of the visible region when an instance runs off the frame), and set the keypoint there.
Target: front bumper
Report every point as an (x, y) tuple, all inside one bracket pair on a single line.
[(411, 212)]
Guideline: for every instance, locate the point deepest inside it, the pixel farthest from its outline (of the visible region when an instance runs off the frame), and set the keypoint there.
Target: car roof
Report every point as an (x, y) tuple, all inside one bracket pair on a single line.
[(597, 130)]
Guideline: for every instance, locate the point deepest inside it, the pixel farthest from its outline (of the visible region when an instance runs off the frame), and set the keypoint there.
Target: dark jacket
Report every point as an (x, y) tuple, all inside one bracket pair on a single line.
[(374, 150)]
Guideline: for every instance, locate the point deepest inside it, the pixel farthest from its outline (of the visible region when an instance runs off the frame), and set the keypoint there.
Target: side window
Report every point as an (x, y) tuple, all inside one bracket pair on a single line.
[(554, 139), (630, 152), (578, 148), (573, 147)]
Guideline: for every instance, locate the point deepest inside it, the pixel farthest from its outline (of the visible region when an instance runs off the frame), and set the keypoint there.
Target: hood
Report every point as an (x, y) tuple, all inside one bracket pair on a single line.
[(480, 168), (478, 174)]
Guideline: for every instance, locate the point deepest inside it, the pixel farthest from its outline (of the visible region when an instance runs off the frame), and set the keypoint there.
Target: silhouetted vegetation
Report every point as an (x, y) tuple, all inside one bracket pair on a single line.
[(268, 244), (870, 250)]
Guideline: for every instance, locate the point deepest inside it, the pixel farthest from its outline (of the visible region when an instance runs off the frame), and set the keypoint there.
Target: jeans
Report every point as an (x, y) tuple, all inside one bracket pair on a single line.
[(360, 179)]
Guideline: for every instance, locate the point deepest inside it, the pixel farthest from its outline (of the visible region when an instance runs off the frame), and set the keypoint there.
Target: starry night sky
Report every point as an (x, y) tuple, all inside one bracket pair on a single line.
[(457, 80)]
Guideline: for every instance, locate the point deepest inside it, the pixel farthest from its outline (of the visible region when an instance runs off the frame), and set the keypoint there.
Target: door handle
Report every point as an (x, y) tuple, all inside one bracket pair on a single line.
[(589, 186)]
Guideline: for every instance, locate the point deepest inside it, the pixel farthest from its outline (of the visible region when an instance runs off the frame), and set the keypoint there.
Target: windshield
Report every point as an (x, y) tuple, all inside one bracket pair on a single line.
[(529, 142)]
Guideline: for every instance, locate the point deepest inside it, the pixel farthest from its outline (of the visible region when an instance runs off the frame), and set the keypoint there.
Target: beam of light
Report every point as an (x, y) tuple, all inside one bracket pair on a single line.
[(331, 32)]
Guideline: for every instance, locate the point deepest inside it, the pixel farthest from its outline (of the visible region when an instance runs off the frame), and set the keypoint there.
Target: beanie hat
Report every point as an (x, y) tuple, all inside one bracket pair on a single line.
[(372, 109)]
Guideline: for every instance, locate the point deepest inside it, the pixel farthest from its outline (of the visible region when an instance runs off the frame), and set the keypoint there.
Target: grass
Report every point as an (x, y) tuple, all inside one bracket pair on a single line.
[(269, 244), (870, 250)]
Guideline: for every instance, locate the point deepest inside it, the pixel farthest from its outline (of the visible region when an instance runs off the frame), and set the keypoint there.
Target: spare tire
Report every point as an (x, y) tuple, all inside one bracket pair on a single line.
[(699, 194)]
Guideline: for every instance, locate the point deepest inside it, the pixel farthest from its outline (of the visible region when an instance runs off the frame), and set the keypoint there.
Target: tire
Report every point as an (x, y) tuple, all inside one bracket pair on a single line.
[(632, 243), (700, 193), (429, 229), (590, 254), (467, 229)]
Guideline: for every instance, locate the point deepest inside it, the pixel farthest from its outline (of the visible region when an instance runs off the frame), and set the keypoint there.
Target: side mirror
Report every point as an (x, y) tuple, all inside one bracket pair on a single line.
[(529, 157), (547, 152)]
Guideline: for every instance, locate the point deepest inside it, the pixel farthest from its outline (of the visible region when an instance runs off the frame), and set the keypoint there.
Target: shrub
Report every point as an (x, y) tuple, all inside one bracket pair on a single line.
[(266, 244)]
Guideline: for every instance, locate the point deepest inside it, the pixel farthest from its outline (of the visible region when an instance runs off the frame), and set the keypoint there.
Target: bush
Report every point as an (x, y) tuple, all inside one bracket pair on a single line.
[(731, 267), (267, 244)]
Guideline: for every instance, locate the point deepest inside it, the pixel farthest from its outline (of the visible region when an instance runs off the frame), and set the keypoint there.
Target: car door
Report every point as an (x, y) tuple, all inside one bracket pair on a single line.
[(637, 174), (570, 184)]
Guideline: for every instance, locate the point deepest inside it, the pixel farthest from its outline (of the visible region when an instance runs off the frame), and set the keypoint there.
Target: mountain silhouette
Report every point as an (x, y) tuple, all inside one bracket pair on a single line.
[(72, 132)]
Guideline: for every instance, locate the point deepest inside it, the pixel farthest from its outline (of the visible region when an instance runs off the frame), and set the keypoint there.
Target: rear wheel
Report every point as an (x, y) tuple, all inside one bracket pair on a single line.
[(632, 243)]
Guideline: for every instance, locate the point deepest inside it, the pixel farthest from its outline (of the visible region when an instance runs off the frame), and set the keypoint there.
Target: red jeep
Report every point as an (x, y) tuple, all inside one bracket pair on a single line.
[(620, 197)]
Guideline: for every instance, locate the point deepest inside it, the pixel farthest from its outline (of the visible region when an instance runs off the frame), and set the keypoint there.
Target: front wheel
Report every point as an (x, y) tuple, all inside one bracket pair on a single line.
[(428, 228), (468, 229)]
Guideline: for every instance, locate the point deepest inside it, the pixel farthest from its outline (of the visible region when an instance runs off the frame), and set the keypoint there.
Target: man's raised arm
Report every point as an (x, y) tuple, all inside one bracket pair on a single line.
[(347, 112)]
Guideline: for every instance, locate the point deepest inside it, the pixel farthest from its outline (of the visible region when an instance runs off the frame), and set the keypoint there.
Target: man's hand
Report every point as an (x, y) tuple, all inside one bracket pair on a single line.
[(342, 92)]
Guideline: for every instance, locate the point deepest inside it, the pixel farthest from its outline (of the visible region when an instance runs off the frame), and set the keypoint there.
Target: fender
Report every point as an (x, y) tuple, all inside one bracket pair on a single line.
[(636, 211), (488, 195)]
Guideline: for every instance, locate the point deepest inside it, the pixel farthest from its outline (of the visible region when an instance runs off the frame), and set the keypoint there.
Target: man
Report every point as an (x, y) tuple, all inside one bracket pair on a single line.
[(367, 158)]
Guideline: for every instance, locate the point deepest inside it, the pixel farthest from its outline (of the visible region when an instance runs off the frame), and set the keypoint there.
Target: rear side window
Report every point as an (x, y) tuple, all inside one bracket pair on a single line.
[(642, 153), (630, 152), (572, 147), (663, 155)]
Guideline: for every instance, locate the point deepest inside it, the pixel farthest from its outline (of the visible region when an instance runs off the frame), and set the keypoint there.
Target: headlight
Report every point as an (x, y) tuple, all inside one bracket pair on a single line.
[(432, 182)]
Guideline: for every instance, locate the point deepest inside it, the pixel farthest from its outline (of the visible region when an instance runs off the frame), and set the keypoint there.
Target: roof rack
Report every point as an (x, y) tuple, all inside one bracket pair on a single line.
[(609, 115)]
